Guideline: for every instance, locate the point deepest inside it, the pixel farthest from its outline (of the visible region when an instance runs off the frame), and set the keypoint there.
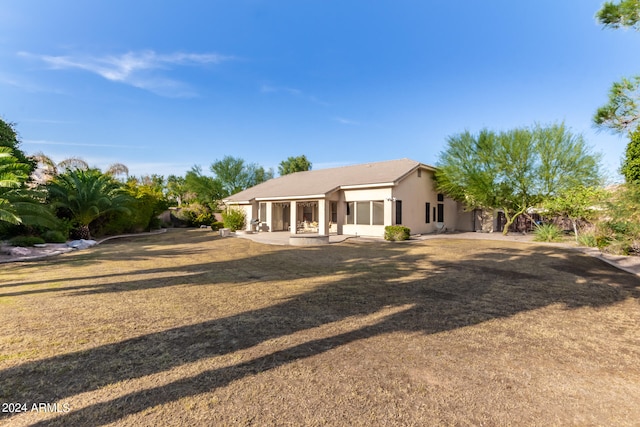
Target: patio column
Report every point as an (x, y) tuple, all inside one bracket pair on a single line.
[(293, 221), (388, 211), (251, 213), (323, 217), (342, 212), (269, 216)]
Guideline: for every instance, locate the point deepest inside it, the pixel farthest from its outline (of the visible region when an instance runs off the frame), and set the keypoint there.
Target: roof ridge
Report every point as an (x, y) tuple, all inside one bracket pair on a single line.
[(362, 164)]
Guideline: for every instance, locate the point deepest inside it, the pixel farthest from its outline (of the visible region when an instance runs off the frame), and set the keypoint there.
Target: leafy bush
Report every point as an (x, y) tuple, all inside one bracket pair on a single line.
[(54, 236), (155, 223), (620, 247), (547, 233), (196, 215), (396, 232), (205, 218), (588, 239), (215, 226), (620, 233), (234, 219), (26, 241)]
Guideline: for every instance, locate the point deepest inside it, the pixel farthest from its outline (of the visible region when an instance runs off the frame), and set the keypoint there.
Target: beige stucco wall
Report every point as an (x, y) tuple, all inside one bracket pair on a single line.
[(465, 219), (372, 194), (414, 191)]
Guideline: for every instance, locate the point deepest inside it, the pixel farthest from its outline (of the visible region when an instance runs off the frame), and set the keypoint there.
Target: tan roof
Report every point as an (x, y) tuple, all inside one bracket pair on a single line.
[(324, 181)]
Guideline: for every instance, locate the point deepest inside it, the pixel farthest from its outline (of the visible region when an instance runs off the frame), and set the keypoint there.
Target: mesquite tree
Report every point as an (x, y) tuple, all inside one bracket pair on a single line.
[(515, 170)]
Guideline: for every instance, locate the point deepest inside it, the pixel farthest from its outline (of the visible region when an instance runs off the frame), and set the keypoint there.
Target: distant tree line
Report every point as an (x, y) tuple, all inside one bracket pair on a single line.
[(42, 199)]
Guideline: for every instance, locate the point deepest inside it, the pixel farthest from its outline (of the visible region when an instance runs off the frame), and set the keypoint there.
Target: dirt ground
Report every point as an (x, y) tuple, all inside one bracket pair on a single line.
[(187, 328)]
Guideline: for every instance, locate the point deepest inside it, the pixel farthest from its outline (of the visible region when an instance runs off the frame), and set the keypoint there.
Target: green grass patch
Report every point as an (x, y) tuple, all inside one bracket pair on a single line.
[(547, 233)]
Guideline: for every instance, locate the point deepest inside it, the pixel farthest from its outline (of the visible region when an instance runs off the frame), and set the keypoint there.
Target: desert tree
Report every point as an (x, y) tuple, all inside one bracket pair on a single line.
[(176, 189), (621, 114), (236, 175), (202, 188), (631, 164), (294, 164), (580, 203), (514, 170), (625, 13)]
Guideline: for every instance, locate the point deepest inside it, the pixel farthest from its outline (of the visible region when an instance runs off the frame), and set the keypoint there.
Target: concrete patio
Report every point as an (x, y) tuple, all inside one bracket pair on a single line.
[(282, 237)]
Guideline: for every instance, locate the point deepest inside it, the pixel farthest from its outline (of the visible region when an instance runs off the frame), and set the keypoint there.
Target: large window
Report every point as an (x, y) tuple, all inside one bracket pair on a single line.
[(427, 213), (378, 212), (350, 212), (398, 212), (334, 212), (440, 212), (365, 213)]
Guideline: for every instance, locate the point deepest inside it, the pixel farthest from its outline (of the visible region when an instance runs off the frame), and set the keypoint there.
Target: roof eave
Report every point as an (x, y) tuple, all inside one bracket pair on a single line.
[(361, 186), (303, 197)]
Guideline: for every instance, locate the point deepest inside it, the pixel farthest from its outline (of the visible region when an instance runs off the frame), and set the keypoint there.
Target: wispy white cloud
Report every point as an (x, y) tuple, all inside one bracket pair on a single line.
[(138, 69), (344, 121), (267, 88), (275, 89), (22, 84), (80, 144)]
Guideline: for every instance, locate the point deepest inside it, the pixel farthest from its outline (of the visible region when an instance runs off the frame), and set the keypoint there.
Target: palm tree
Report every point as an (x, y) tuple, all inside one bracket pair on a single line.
[(12, 175), (45, 169), (118, 169), (73, 163), (85, 195)]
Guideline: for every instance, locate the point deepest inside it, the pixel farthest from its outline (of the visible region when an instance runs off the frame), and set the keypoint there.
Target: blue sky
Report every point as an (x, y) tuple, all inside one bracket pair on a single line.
[(161, 86)]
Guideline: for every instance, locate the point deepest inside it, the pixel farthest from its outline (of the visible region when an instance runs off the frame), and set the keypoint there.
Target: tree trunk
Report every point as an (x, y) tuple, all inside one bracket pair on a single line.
[(507, 224), (575, 228), (511, 220)]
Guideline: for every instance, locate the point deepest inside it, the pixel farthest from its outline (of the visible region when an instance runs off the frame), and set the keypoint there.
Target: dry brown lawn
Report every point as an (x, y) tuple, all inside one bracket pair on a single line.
[(187, 329)]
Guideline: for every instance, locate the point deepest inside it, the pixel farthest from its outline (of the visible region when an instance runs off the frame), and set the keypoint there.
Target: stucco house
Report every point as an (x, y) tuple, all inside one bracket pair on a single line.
[(352, 200)]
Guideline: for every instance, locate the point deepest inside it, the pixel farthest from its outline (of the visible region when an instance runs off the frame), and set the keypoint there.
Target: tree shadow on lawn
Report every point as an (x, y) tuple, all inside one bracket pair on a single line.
[(440, 295), (147, 247), (155, 247)]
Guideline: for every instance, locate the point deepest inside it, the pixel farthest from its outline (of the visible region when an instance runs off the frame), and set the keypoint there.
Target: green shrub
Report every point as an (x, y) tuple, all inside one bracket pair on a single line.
[(26, 241), (54, 236), (547, 233), (234, 219), (215, 226), (588, 239), (620, 233), (396, 232), (155, 223), (196, 215), (205, 218), (618, 247), (602, 242)]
